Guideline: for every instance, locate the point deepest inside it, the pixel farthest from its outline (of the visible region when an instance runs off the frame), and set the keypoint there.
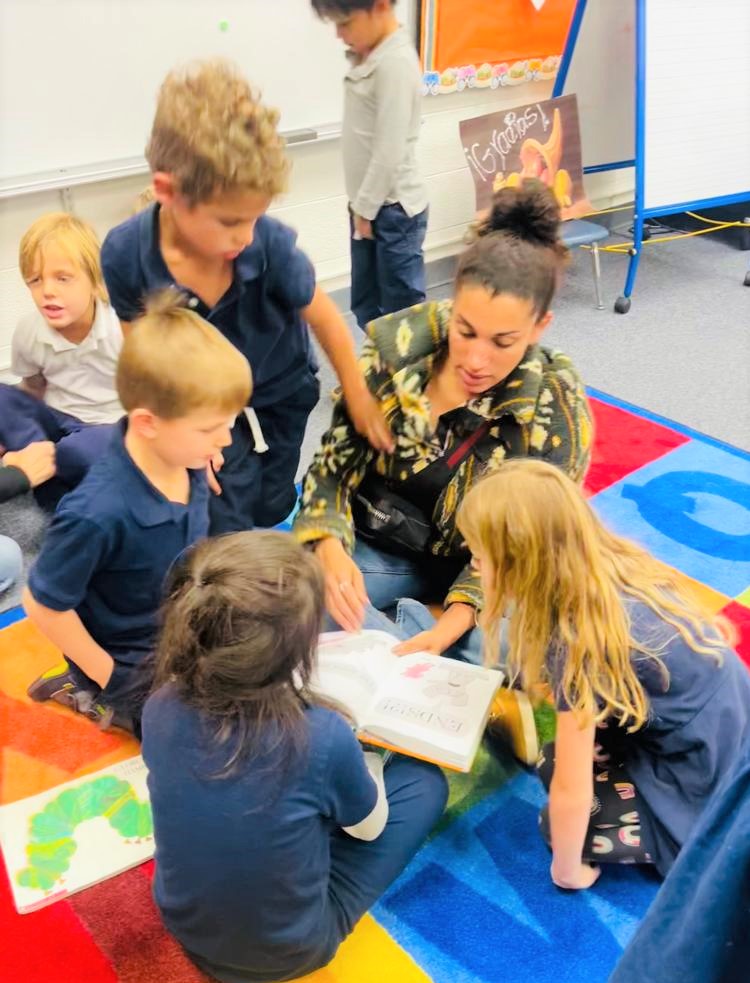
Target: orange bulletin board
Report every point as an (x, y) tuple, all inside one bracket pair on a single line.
[(489, 43)]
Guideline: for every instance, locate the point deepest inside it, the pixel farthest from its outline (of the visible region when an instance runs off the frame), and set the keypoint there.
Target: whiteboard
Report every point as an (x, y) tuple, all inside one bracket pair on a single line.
[(697, 104), (78, 78), (602, 75)]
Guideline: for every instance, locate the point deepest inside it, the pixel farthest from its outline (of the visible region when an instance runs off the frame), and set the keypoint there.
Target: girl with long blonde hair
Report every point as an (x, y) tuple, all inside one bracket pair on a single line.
[(653, 704)]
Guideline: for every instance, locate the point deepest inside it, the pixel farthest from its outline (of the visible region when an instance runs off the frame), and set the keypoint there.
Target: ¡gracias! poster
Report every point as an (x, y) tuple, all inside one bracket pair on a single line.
[(539, 140)]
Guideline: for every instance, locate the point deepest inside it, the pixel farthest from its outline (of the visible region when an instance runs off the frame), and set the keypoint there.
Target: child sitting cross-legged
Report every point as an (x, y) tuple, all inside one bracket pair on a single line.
[(96, 586), (292, 832), (65, 353)]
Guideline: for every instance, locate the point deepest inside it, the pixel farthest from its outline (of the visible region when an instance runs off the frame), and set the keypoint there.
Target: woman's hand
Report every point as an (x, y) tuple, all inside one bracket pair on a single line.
[(346, 596), (575, 880)]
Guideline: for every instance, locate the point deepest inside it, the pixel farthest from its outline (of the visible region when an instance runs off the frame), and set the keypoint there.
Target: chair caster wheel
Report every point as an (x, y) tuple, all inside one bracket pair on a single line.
[(622, 305)]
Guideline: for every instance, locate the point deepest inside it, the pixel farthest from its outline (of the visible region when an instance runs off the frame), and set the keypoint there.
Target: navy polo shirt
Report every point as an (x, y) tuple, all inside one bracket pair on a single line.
[(259, 313), (243, 863), (699, 720), (109, 546)]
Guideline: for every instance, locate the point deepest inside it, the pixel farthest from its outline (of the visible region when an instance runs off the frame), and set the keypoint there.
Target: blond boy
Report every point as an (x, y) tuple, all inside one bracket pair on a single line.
[(65, 352), (217, 163), (95, 588)]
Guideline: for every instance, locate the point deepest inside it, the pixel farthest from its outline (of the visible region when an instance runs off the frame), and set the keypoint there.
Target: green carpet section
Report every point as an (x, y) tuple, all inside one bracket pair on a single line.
[(544, 718)]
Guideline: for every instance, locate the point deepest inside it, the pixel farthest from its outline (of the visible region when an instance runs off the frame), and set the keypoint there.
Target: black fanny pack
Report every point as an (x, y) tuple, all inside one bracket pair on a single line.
[(391, 521)]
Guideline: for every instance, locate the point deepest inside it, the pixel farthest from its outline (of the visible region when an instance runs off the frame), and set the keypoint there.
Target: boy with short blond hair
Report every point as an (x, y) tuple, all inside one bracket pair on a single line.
[(95, 589), (217, 162), (65, 352)]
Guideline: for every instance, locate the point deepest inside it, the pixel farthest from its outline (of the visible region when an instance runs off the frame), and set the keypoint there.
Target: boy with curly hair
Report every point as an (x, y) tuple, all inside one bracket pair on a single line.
[(217, 162)]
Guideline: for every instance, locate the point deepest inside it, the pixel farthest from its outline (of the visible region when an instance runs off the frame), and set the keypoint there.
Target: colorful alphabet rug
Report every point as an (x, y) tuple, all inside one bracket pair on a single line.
[(476, 904)]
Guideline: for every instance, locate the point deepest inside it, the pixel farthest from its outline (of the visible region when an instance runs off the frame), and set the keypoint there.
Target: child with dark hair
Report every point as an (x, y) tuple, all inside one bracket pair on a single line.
[(382, 119), (292, 832), (464, 384)]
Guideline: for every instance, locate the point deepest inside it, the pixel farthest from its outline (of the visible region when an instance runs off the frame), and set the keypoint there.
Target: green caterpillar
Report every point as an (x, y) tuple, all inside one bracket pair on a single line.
[(51, 845)]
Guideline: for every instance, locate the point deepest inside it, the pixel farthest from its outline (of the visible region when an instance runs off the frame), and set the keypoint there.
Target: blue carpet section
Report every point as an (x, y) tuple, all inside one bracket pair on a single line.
[(691, 509), (11, 616), (477, 904)]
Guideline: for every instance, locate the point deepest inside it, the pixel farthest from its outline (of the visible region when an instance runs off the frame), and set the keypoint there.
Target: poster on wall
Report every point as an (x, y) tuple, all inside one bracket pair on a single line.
[(538, 140), (481, 44)]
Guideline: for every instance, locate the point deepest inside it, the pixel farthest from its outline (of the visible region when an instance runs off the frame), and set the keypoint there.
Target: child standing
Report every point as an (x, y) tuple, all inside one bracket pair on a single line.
[(217, 162), (387, 198), (96, 586), (65, 353), (653, 705), (293, 832)]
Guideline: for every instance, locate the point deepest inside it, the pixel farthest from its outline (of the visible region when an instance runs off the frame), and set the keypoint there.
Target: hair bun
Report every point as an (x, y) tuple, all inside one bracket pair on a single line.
[(528, 211)]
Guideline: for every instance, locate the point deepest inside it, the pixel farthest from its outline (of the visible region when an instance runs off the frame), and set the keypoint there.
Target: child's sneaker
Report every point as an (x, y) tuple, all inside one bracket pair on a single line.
[(512, 720), (59, 684)]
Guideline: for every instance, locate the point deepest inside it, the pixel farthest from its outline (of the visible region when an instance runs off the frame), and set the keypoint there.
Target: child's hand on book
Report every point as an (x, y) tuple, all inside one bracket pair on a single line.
[(430, 641)]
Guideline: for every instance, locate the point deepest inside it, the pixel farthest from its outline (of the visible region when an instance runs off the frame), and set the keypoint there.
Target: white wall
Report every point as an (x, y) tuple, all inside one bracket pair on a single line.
[(315, 204)]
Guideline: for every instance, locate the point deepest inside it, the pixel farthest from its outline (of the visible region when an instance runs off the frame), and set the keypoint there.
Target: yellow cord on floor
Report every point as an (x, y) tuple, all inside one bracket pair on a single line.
[(626, 247)]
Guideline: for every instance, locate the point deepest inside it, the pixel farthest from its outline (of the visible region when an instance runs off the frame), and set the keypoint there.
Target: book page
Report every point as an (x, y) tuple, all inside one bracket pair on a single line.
[(434, 706), (76, 834), (351, 666)]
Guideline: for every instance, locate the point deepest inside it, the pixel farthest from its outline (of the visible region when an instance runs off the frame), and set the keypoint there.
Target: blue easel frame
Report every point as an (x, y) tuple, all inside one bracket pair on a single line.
[(622, 304)]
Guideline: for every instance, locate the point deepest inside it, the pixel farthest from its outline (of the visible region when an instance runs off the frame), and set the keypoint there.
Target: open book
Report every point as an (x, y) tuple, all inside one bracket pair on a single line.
[(76, 834), (423, 705)]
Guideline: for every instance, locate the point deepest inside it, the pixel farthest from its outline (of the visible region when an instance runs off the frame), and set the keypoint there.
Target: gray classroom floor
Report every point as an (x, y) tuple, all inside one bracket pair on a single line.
[(683, 351)]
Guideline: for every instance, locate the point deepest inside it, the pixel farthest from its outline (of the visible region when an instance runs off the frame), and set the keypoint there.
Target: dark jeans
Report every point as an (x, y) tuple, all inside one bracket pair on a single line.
[(388, 271), (614, 833), (401, 582), (25, 419), (258, 489)]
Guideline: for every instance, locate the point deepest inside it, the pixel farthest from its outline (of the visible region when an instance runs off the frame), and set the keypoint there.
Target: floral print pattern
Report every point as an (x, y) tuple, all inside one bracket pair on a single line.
[(540, 410)]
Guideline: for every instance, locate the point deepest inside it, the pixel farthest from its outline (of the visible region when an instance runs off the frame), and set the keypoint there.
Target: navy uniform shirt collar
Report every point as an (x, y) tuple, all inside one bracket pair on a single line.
[(249, 265), (148, 506)]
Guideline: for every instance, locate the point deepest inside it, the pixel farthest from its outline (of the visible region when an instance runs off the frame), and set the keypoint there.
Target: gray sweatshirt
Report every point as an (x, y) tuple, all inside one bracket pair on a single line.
[(382, 97)]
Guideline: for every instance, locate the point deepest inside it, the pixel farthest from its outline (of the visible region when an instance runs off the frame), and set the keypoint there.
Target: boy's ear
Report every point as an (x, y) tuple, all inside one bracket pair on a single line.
[(165, 187), (143, 423)]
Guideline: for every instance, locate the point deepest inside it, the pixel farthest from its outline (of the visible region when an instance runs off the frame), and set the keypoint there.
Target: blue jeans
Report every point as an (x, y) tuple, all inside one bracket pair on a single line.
[(388, 270), (11, 563), (400, 582)]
